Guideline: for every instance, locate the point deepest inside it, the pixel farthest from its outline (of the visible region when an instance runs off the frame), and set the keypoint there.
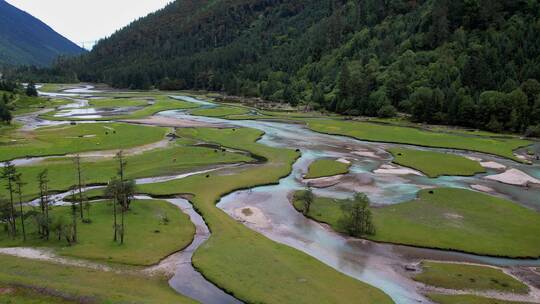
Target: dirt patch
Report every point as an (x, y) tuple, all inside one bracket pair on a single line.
[(482, 188), (344, 161), (514, 177), (169, 122), (6, 290), (453, 216), (493, 165), (366, 153), (49, 256), (323, 182), (396, 170), (247, 212), (253, 216)]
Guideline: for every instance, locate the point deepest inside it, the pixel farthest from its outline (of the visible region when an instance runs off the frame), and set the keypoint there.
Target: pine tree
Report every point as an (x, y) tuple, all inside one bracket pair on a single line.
[(31, 89)]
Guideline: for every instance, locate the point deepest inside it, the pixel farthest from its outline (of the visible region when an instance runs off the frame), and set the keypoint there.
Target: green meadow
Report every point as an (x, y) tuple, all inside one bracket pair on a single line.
[(435, 164), (67, 139), (81, 284), (468, 277), (404, 135), (147, 240), (154, 104), (326, 167), (450, 219), (172, 160), (117, 103), (236, 257)]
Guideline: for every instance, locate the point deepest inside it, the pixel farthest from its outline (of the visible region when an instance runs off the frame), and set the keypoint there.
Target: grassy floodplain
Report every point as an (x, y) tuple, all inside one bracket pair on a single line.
[(326, 167), (17, 295), (435, 164), (83, 284), (117, 103), (469, 277), (148, 239), (404, 135), (468, 299), (66, 139), (154, 104), (220, 111), (160, 162), (25, 104), (451, 219), (243, 262)]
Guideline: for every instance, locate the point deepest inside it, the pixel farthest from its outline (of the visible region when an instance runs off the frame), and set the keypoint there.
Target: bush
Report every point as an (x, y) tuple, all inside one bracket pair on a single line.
[(387, 111), (533, 131)]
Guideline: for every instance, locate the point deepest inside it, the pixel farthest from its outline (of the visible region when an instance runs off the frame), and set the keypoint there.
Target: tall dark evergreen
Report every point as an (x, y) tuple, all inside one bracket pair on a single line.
[(31, 89), (5, 112)]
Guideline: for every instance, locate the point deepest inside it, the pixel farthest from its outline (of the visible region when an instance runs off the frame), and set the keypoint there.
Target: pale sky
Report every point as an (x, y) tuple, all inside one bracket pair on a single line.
[(88, 20)]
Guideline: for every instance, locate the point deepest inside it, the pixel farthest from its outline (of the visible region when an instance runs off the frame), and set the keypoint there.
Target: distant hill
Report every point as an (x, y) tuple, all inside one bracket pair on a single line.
[(25, 40), (474, 63)]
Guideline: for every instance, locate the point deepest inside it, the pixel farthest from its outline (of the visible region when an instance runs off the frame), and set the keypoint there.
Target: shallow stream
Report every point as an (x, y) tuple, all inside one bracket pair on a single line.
[(380, 265)]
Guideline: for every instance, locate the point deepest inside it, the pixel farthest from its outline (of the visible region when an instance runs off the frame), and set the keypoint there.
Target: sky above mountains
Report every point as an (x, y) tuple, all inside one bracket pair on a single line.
[(84, 21)]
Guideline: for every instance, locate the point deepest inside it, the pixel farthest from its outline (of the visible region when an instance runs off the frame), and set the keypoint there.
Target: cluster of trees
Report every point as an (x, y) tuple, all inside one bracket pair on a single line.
[(356, 219), (440, 61), (9, 86), (9, 90), (5, 111), (14, 209), (121, 191), (46, 223), (31, 89), (10, 96)]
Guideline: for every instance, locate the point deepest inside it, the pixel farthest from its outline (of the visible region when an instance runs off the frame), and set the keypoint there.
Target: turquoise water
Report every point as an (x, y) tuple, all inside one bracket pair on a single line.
[(376, 264)]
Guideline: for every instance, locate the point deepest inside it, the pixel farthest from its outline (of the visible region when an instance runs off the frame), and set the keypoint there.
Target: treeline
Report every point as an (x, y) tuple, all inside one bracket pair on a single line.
[(474, 63)]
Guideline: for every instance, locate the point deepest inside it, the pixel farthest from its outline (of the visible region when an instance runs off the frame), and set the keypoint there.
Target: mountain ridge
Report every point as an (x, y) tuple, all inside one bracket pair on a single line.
[(473, 63), (26, 40)]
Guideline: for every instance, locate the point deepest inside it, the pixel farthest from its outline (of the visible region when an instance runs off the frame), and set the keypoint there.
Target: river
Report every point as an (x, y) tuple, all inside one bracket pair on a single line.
[(380, 265)]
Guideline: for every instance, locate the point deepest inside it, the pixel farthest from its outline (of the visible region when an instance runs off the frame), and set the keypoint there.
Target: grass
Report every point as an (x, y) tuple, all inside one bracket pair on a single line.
[(85, 284), (220, 111), (161, 162), (243, 262), (80, 138), (323, 210), (117, 103), (450, 219), (18, 295), (161, 103), (467, 299), (469, 277), (462, 220), (435, 164), (23, 104), (326, 167), (503, 147), (406, 122), (53, 87), (148, 239)]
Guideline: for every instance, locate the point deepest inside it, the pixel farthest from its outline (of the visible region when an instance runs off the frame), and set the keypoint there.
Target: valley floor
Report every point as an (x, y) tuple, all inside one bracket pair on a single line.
[(261, 249)]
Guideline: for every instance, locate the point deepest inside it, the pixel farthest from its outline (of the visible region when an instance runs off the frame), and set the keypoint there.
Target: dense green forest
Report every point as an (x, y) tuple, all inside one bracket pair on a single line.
[(474, 63)]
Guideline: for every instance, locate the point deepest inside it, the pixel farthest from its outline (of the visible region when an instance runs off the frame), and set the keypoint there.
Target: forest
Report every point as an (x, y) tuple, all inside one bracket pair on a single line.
[(473, 63)]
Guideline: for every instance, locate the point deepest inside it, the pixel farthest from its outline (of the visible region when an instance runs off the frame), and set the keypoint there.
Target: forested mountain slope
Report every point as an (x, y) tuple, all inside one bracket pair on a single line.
[(473, 63), (26, 40)]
